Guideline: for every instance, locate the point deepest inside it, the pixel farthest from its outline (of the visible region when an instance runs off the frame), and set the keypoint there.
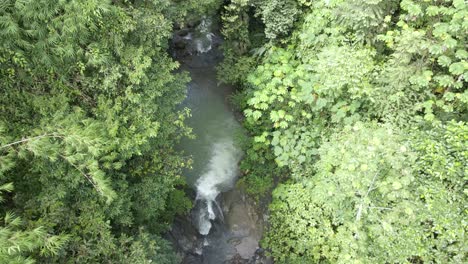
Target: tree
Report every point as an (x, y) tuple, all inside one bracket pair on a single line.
[(369, 200), (16, 241), (322, 100), (88, 124)]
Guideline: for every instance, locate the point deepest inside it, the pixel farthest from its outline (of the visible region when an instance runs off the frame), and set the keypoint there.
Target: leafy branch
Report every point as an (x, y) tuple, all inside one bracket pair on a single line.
[(88, 177)]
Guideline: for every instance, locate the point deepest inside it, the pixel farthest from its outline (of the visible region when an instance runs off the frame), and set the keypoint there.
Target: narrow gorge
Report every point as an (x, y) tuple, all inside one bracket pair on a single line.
[(224, 225)]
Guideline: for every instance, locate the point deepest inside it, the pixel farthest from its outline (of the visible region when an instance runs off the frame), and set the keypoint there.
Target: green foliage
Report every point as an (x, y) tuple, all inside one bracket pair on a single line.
[(233, 69), (425, 71), (236, 64), (135, 249), (361, 106), (257, 184), (325, 77), (258, 168), (236, 26), (88, 124), (258, 180), (369, 202), (277, 15), (183, 11), (444, 155), (16, 241), (366, 19), (296, 99)]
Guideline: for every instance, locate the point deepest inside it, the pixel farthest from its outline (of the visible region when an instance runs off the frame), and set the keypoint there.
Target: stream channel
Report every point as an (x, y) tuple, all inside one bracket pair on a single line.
[(223, 226)]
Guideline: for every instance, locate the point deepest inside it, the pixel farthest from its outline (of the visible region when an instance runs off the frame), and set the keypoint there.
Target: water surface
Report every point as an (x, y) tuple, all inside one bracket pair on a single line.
[(228, 231)]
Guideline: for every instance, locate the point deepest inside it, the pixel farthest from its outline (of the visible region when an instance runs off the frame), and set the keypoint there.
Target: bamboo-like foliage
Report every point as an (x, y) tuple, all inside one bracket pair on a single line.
[(88, 124), (360, 115)]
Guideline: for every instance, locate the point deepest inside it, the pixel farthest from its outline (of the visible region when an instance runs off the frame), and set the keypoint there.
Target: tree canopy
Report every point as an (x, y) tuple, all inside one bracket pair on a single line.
[(88, 124), (356, 113), (359, 108)]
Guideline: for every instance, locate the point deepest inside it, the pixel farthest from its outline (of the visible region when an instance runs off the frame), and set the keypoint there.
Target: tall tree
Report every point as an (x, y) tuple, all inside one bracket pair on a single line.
[(88, 124)]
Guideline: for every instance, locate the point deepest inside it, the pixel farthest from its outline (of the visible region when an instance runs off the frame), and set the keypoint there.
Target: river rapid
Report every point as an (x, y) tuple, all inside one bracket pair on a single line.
[(223, 226)]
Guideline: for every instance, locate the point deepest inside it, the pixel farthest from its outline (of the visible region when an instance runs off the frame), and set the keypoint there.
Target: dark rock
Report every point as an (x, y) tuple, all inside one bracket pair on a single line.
[(237, 259), (182, 33), (193, 23), (192, 259), (260, 257), (184, 236), (180, 44)]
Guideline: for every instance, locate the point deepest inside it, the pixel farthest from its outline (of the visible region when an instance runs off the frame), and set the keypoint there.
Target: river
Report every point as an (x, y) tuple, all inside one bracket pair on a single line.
[(228, 227)]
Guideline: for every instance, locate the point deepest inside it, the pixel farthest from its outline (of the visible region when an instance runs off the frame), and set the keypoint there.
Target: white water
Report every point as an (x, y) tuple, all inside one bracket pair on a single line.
[(221, 172), (204, 37), (214, 151)]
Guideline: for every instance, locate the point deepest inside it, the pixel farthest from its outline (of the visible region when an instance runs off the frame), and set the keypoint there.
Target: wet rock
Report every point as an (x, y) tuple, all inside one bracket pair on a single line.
[(237, 259), (192, 259), (180, 39), (243, 222), (180, 45), (193, 23), (183, 33), (260, 257), (234, 241), (247, 247), (185, 237)]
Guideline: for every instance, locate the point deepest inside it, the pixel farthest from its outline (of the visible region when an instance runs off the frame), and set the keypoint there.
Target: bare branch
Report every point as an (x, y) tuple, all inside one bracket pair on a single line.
[(89, 178), (29, 139), (380, 208), (359, 212)]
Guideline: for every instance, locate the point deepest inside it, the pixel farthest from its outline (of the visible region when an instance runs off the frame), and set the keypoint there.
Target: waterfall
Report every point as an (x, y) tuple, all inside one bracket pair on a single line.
[(215, 155), (219, 175), (204, 40)]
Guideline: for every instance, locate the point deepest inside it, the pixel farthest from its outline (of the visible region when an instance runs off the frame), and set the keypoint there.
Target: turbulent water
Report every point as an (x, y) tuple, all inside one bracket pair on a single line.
[(216, 155), (214, 151), (201, 39), (204, 38), (219, 175)]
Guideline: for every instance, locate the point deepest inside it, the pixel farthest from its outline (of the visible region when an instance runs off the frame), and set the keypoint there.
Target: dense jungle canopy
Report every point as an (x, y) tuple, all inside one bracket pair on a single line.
[(356, 113)]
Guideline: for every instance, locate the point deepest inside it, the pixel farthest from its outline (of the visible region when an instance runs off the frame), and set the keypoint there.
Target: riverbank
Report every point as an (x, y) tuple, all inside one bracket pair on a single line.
[(225, 226)]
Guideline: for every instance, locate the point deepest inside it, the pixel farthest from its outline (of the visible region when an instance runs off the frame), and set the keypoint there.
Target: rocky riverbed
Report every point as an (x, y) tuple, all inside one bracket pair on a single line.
[(237, 224), (243, 227)]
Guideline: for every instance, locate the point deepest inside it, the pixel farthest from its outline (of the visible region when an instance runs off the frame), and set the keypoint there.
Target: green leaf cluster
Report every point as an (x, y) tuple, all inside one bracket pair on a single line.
[(88, 124), (363, 108)]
